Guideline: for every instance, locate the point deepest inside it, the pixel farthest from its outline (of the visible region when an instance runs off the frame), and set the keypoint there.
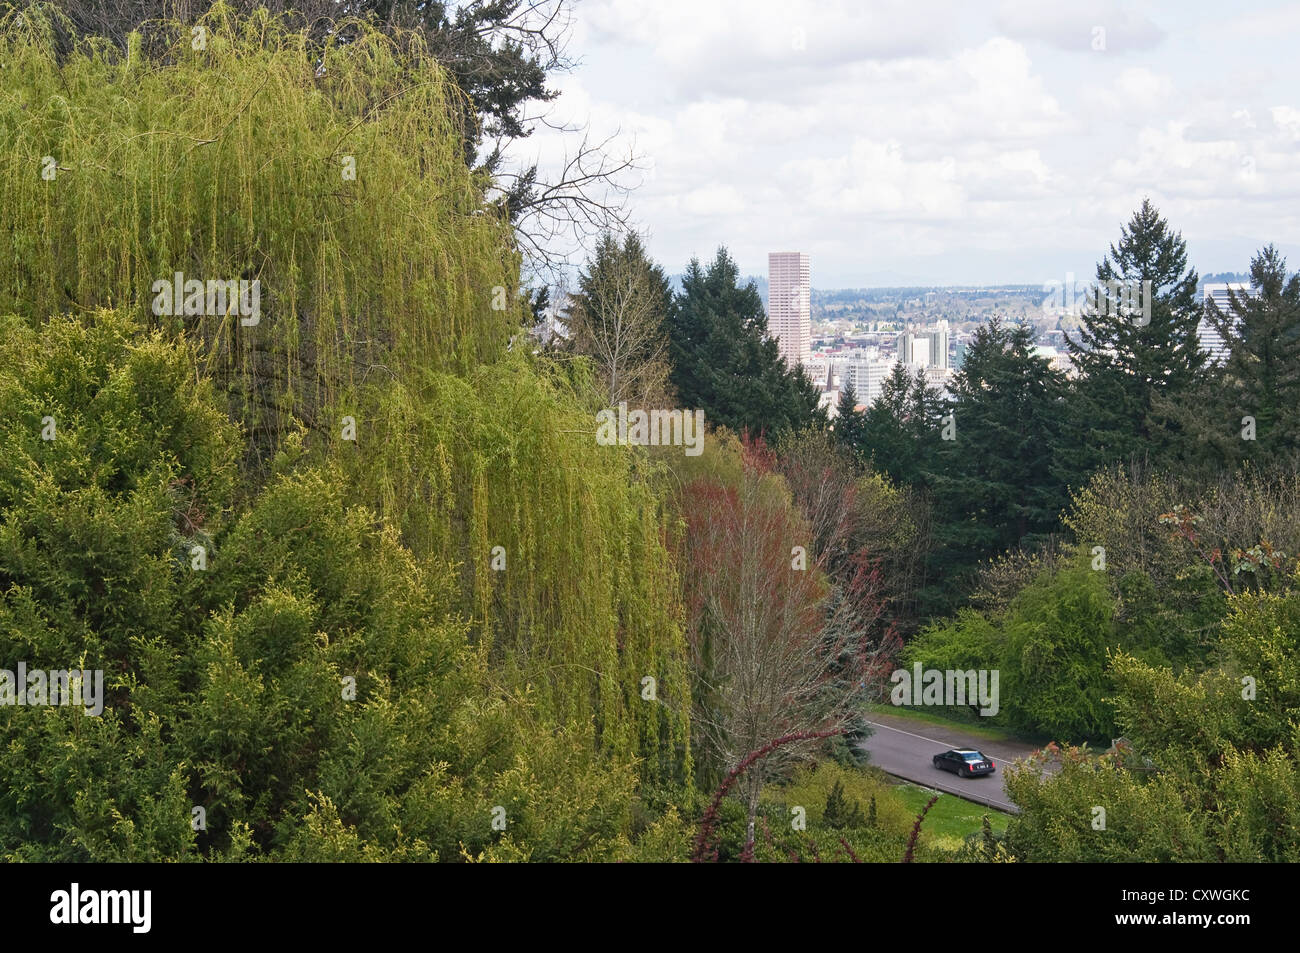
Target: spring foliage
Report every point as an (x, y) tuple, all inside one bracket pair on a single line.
[(388, 298), (1209, 772), (232, 161)]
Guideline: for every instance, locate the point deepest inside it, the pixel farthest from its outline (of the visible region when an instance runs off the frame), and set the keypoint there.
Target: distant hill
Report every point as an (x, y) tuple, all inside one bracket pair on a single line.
[(824, 297), (1223, 277)]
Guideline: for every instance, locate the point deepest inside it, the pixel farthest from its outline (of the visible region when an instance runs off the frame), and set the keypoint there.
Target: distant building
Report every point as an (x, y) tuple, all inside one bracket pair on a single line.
[(866, 377), (939, 378), (789, 304), (818, 367), (1057, 359), (928, 348), (912, 348), (1207, 335), (939, 345)]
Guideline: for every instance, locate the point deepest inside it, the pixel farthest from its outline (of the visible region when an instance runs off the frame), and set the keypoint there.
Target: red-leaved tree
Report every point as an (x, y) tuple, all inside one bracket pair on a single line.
[(782, 643)]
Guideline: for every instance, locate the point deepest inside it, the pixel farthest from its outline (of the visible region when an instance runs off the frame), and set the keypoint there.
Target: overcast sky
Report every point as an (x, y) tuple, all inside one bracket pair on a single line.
[(945, 143)]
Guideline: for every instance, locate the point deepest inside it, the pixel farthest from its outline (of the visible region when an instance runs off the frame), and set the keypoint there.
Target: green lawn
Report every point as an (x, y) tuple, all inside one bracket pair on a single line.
[(930, 717), (951, 818)]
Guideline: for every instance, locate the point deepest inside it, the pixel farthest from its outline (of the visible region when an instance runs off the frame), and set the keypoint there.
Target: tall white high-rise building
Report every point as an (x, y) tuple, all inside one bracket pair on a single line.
[(925, 348), (1208, 336), (939, 344), (789, 304), (913, 349)]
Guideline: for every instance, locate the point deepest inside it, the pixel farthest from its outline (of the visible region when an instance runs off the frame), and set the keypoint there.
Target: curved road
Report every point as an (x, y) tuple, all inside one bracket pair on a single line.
[(904, 747)]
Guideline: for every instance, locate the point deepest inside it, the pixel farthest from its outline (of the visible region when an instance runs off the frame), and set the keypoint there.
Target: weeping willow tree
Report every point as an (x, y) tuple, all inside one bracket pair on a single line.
[(561, 546), (332, 175)]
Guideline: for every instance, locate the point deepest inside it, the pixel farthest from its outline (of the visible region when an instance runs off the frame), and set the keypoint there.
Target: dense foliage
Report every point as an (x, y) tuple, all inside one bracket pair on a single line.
[(421, 595), (1209, 771), (1243, 410), (1137, 345)]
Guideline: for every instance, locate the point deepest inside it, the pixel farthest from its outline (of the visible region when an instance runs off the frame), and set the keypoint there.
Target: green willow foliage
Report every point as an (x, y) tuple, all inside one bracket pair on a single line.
[(586, 602), (476, 686), (228, 161)]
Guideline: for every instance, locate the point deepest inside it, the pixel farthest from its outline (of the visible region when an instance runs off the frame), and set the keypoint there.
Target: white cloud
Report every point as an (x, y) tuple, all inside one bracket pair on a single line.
[(771, 48), (1287, 121), (945, 130), (1082, 26)]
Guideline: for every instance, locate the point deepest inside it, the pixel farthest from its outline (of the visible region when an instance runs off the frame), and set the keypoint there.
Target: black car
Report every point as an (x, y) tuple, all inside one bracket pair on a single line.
[(964, 762)]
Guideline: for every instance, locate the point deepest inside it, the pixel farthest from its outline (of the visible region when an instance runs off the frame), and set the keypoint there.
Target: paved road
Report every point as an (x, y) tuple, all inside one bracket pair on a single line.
[(903, 747)]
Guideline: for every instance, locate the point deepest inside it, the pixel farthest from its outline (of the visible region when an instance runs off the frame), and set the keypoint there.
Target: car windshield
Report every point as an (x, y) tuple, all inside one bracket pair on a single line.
[(972, 756)]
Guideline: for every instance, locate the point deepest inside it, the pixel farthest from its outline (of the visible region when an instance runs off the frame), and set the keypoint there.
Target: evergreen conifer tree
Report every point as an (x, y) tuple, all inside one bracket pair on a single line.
[(1134, 347), (1247, 408), (723, 360), (994, 484)]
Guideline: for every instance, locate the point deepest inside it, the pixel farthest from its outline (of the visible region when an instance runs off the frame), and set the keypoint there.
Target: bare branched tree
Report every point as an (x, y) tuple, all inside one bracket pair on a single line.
[(776, 648), (586, 195), (617, 320), (852, 511)]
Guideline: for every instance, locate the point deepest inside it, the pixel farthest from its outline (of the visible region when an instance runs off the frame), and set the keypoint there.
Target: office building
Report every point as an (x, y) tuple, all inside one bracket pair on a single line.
[(1207, 335), (866, 377), (928, 348), (789, 304)]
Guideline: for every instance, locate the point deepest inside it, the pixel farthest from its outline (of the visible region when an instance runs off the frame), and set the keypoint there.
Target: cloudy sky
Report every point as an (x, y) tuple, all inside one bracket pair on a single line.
[(944, 143)]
